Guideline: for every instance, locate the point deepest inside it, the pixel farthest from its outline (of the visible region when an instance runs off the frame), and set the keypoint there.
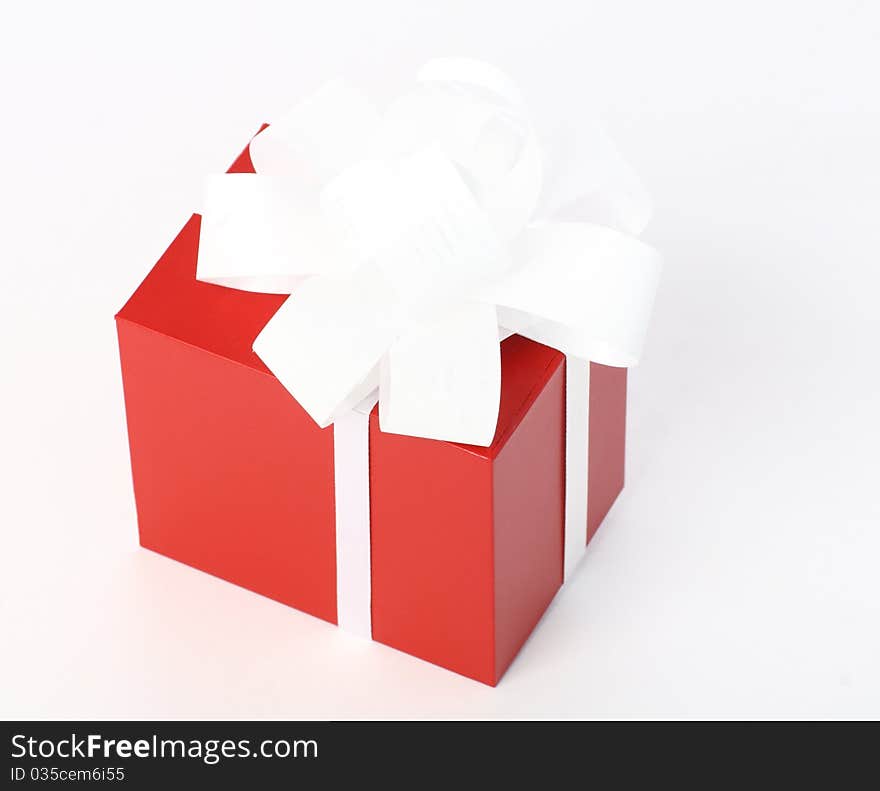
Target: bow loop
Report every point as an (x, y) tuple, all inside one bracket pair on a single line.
[(332, 129), (584, 289), (474, 114)]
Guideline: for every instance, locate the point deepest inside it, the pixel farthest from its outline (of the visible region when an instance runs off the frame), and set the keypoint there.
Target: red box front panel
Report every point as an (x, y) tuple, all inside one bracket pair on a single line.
[(230, 475)]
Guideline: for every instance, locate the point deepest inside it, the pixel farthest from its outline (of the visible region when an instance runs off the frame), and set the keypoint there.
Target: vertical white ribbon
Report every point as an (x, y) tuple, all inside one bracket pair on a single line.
[(577, 452), (351, 471)]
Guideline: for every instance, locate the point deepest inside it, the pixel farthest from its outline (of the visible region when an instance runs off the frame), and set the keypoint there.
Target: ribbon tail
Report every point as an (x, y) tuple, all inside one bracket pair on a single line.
[(442, 378), (586, 290), (259, 234), (324, 344)]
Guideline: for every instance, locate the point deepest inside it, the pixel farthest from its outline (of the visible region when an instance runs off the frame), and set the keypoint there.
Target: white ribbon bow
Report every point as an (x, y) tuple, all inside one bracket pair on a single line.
[(410, 244)]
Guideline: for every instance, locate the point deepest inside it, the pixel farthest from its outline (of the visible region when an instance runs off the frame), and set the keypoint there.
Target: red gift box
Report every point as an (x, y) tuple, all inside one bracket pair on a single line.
[(232, 477)]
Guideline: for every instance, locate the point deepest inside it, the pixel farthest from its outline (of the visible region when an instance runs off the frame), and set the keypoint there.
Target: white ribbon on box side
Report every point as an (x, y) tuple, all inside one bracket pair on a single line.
[(351, 477), (411, 240), (577, 455)]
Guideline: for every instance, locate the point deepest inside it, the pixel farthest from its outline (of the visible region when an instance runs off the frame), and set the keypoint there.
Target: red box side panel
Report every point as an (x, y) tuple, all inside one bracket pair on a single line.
[(607, 441), (431, 538), (529, 497), (230, 475)]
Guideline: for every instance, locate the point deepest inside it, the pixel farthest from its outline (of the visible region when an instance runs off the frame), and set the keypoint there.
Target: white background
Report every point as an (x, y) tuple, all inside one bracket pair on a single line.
[(738, 576)]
